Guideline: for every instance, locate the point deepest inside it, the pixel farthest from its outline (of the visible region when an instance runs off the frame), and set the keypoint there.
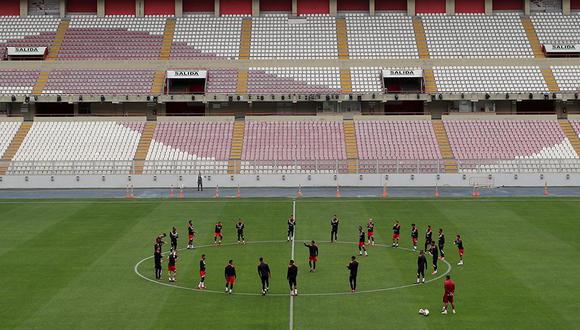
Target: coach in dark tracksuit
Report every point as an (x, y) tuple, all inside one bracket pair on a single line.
[(353, 268)]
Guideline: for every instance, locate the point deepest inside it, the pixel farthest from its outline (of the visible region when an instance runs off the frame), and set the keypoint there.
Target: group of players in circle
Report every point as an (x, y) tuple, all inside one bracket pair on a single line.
[(437, 251)]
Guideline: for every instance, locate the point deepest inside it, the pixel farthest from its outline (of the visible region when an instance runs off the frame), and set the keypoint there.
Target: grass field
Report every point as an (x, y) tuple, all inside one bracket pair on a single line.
[(70, 264)]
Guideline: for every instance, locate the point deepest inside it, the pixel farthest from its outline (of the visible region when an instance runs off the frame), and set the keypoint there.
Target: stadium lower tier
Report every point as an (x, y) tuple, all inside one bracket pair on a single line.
[(289, 145)]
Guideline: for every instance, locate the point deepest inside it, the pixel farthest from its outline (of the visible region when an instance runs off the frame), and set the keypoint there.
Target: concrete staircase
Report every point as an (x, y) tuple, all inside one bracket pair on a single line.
[(237, 147), (550, 80), (246, 39), (143, 146), (345, 81), (242, 87), (570, 134), (350, 145), (40, 83), (429, 79), (167, 39), (58, 39), (158, 83), (14, 146), (420, 38), (449, 162), (342, 38), (532, 37)]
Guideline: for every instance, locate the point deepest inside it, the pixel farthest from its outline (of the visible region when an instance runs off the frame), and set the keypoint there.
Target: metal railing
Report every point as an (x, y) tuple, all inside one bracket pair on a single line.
[(215, 167)]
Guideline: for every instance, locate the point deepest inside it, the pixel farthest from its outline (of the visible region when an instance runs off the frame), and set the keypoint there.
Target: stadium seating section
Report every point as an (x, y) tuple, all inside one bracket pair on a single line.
[(38, 31), (16, 82), (490, 79), (7, 131), (555, 28), (100, 82), (567, 77), (277, 80)]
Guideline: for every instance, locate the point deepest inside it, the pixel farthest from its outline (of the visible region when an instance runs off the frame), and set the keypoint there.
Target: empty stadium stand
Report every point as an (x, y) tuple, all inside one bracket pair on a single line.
[(301, 80), (555, 28), (17, 81), (473, 79), (30, 31), (100, 82), (567, 77)]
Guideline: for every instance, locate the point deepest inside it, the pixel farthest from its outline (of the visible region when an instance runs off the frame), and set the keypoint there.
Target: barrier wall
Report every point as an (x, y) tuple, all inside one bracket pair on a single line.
[(120, 7), (159, 7), (313, 7), (9, 7), (81, 6), (276, 5), (508, 5), (470, 6), (353, 5), (430, 6), (198, 6), (236, 7)]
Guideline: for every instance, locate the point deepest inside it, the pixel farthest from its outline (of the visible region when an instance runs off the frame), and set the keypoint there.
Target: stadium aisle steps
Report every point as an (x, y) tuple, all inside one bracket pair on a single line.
[(143, 146), (342, 38), (158, 83), (444, 147), (242, 87), (245, 39), (532, 37), (237, 147), (570, 134), (429, 78), (420, 38), (350, 145), (550, 80), (40, 83), (58, 39), (14, 146), (345, 81), (167, 39)]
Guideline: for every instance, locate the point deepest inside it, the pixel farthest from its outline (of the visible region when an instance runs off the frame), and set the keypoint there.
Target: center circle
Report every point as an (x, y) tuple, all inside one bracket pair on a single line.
[(385, 269)]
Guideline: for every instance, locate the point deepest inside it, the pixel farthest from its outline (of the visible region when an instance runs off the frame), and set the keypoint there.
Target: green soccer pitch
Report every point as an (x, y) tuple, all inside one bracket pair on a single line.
[(83, 264)]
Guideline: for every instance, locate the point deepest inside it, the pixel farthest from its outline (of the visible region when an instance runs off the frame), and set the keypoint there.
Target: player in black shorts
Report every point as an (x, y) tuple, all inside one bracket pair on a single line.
[(217, 233), (230, 275), (292, 275), (172, 266), (240, 229), (428, 238), (459, 243), (396, 233), (158, 259), (173, 235), (414, 236), (371, 232), (435, 254), (361, 242), (201, 284), (334, 229), (291, 225), (190, 234), (353, 268), (421, 266), (441, 243), (312, 255), (264, 274)]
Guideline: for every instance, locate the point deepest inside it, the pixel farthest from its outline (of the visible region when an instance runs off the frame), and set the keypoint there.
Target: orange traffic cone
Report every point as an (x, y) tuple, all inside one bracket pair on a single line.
[(385, 192), (217, 192), (437, 195), (299, 193), (238, 194), (338, 195), (546, 192), (171, 194)]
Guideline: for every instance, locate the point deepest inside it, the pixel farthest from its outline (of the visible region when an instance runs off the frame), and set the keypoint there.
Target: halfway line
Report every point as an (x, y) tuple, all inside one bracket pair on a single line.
[(291, 322)]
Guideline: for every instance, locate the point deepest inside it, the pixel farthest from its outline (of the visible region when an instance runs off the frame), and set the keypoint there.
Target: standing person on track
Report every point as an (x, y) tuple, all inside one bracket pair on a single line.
[(217, 233), (353, 268), (428, 238), (421, 267), (414, 236), (371, 231), (361, 242), (173, 236), (313, 255), (396, 233), (291, 225), (190, 234), (264, 274), (435, 255), (291, 276), (172, 265), (199, 182), (334, 229), (201, 284), (448, 296), (240, 229), (158, 259), (441, 243), (459, 244), (230, 275)]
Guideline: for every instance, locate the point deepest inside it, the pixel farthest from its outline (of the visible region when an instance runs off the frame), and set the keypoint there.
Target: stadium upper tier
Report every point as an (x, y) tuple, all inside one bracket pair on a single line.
[(280, 36), (323, 144)]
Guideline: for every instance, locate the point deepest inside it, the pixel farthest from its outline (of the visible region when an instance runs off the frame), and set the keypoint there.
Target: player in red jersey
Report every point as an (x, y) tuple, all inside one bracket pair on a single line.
[(459, 244), (217, 233), (201, 284), (312, 255), (449, 294), (171, 265), (230, 274), (190, 234), (361, 241), (371, 231), (396, 233), (414, 236)]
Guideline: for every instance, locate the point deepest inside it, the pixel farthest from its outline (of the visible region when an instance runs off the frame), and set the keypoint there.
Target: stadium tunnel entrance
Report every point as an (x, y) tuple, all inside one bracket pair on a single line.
[(403, 81), (536, 107), (186, 82)]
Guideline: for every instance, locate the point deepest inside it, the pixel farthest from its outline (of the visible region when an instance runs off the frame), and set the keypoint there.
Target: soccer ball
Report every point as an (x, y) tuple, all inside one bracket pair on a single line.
[(424, 312)]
